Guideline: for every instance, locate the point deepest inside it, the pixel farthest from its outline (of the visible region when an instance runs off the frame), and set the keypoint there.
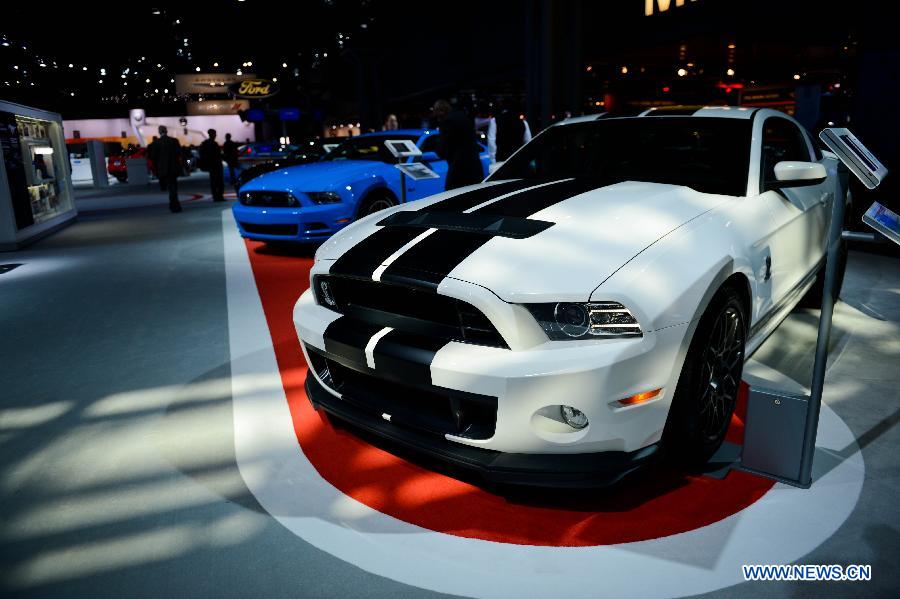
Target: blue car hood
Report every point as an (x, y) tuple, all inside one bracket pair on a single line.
[(316, 176)]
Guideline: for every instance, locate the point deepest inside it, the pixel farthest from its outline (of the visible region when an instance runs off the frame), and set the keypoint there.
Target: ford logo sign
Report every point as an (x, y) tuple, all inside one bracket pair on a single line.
[(253, 88)]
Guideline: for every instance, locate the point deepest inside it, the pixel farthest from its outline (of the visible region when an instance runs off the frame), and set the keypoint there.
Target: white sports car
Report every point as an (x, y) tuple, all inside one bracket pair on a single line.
[(591, 302)]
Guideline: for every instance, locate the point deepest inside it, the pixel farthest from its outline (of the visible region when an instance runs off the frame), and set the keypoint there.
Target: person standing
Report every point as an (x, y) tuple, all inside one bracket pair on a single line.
[(230, 152), (211, 162), (166, 155), (507, 133), (458, 146)]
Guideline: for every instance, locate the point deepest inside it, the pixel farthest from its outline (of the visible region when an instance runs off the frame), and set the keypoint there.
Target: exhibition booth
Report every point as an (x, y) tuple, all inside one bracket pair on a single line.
[(35, 180)]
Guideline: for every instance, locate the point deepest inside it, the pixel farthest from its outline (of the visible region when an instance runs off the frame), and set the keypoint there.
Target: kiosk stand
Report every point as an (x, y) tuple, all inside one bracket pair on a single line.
[(402, 149), (780, 432)]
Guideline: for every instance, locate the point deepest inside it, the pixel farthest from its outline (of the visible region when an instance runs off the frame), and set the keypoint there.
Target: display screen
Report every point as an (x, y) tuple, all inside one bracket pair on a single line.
[(883, 220)]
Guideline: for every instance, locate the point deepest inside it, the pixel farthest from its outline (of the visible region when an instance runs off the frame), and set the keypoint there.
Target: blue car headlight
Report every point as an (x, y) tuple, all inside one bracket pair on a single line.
[(324, 197), (575, 320)]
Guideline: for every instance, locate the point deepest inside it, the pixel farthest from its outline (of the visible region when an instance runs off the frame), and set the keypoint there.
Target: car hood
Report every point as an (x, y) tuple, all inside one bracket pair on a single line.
[(315, 176), (585, 236)]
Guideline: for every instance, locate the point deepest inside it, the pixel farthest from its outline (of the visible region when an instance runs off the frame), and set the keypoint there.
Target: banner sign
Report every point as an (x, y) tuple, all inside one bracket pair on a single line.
[(207, 83), (253, 88), (217, 107)]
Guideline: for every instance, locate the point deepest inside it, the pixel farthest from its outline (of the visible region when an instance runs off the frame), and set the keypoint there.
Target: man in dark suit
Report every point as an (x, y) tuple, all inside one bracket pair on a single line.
[(166, 155), (230, 153), (211, 162), (458, 146)]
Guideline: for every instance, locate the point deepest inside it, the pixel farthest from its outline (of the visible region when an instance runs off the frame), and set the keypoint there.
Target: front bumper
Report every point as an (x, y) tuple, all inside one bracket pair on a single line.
[(542, 470), (527, 441), (304, 224)]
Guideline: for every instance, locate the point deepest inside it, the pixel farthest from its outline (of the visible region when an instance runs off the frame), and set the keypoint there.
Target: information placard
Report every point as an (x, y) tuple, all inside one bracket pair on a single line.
[(417, 171)]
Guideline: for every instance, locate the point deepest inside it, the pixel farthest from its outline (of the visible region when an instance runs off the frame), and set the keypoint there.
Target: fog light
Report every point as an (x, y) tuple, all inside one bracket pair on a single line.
[(573, 417)]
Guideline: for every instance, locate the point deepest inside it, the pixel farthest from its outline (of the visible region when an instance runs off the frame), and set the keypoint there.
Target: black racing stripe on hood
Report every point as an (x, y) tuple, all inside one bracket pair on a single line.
[(470, 199), (523, 205), (432, 259), (363, 258), (426, 264)]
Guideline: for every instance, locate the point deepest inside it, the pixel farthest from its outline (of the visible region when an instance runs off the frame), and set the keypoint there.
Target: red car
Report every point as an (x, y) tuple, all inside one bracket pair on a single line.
[(117, 165)]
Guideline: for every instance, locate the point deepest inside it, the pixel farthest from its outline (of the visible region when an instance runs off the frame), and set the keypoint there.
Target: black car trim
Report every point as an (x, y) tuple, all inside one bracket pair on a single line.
[(362, 259), (346, 338), (406, 356), (431, 260), (544, 470), (485, 224)]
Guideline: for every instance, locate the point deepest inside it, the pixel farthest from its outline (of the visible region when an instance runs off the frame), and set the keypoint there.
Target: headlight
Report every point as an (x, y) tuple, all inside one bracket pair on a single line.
[(575, 320), (324, 197)]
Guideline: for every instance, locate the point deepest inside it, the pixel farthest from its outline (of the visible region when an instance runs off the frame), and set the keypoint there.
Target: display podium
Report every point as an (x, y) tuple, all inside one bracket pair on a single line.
[(780, 431)]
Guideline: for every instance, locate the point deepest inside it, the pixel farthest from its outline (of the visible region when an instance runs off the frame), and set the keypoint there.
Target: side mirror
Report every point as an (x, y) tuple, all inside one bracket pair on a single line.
[(429, 157), (794, 173)]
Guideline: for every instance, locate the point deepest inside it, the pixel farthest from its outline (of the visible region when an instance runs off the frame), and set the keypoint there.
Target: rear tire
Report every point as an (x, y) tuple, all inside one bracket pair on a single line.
[(708, 387)]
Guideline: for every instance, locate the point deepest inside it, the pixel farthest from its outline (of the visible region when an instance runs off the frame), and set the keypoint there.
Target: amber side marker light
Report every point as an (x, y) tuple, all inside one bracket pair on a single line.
[(639, 398)]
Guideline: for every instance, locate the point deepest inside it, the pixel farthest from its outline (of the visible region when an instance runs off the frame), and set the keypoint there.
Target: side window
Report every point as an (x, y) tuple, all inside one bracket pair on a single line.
[(430, 144), (781, 140)]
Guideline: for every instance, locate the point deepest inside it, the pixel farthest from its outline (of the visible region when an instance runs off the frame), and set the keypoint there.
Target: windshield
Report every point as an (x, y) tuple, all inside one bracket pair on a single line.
[(368, 147), (707, 154)]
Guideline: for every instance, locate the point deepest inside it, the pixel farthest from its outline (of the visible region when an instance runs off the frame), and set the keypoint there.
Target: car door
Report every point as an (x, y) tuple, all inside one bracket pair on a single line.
[(800, 214), (423, 188)]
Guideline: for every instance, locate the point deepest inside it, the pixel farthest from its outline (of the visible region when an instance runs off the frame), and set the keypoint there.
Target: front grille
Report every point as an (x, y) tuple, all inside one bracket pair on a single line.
[(430, 409), (273, 199), (286, 230), (408, 309)]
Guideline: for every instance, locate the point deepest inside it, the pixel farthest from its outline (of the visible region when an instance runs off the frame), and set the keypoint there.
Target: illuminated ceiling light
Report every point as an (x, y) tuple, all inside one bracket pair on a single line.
[(197, 69), (100, 81), (122, 76), (83, 68), (284, 65), (16, 67), (71, 93), (156, 91), (796, 75), (731, 46), (275, 79), (239, 72), (156, 11), (215, 64), (681, 72), (71, 65), (165, 91), (624, 70), (730, 72), (147, 80), (249, 63), (589, 68)]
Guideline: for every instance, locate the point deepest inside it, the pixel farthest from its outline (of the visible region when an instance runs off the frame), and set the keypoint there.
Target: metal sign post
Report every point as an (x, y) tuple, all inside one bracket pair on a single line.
[(774, 418)]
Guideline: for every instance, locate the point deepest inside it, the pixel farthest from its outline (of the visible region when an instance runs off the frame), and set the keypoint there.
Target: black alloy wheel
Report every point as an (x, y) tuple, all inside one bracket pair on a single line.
[(720, 374), (709, 384)]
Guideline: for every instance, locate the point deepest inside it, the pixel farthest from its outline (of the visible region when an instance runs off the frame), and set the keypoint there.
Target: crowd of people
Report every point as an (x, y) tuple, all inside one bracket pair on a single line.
[(506, 131)]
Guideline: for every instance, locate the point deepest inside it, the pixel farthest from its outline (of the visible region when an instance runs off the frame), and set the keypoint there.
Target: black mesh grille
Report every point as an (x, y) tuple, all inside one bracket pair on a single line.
[(276, 199), (430, 409), (407, 309)]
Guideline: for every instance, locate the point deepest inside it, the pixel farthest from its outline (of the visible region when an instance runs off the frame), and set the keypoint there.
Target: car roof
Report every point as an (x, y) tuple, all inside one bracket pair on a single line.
[(732, 112)]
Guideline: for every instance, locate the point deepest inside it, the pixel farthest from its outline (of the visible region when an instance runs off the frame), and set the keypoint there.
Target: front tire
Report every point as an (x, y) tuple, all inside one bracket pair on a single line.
[(710, 379), (375, 202)]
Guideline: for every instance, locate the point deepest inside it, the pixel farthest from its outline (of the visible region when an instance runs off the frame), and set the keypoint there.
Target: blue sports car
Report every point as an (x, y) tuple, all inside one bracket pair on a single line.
[(311, 202)]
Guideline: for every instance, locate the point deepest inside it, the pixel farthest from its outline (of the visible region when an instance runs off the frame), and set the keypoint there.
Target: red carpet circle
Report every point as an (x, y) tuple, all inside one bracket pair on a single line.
[(653, 504)]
